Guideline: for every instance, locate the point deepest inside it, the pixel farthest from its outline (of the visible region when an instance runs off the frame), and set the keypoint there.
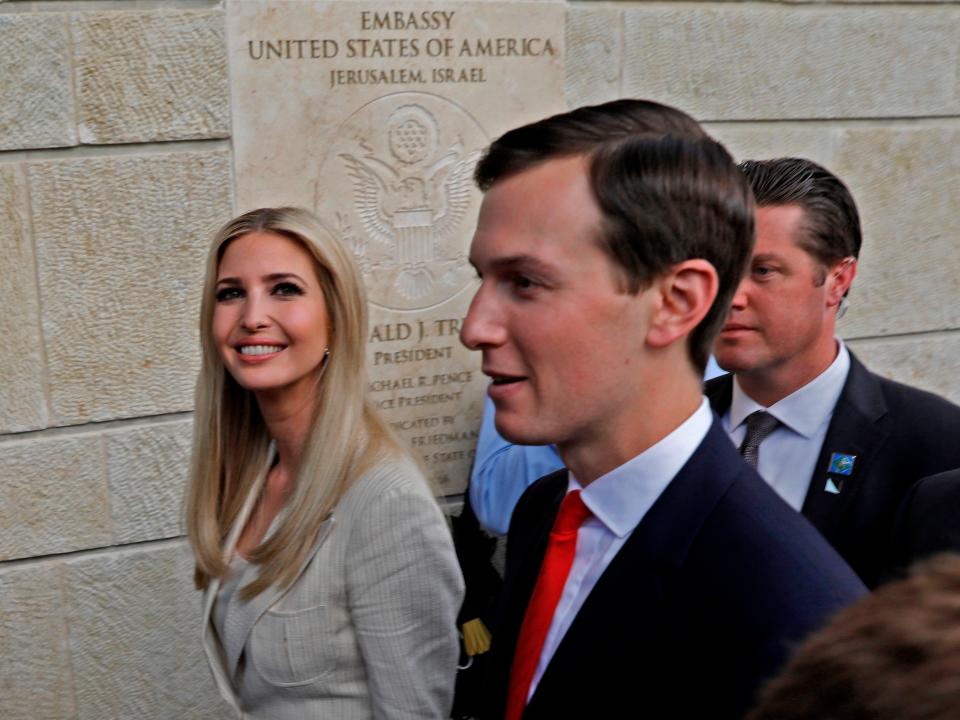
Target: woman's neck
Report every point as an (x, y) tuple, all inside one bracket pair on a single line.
[(288, 420)]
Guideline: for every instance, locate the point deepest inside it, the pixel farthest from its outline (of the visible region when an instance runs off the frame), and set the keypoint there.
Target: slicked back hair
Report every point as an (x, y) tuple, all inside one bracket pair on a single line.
[(831, 222), (666, 190)]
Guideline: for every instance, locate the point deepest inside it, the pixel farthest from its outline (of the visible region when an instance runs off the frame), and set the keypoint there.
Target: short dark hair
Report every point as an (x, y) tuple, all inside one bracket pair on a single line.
[(667, 191), (831, 221), (895, 655)]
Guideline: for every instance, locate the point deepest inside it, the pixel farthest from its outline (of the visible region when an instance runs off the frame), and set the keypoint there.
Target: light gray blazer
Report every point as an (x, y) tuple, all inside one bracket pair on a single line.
[(368, 630)]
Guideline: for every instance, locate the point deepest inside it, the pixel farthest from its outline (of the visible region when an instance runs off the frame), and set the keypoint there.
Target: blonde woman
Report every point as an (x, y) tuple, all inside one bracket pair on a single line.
[(331, 583)]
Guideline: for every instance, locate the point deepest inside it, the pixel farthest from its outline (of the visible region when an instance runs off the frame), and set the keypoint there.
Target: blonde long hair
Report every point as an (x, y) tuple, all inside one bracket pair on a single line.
[(230, 440)]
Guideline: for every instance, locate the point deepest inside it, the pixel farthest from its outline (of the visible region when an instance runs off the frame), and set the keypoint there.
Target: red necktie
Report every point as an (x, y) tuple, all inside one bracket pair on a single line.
[(546, 594)]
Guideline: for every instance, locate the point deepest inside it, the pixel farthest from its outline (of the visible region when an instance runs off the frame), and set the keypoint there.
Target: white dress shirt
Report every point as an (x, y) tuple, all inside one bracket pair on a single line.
[(618, 501), (789, 453)]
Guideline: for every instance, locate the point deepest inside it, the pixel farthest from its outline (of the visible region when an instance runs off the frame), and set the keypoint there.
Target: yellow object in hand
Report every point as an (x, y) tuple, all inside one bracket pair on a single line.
[(476, 637)]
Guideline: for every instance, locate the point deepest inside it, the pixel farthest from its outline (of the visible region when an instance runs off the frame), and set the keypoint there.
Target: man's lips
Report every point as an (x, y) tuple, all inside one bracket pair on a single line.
[(735, 327), (502, 385), (501, 378)]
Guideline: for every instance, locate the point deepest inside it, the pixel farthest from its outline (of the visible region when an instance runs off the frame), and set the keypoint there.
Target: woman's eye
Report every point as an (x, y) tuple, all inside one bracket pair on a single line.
[(228, 293), (287, 288)]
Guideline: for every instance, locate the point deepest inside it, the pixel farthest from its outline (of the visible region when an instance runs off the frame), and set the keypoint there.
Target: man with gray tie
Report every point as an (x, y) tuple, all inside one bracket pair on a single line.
[(837, 442)]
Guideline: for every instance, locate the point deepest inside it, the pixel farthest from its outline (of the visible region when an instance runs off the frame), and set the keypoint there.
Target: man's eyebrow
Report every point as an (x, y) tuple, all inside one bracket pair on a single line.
[(764, 257), (521, 262)]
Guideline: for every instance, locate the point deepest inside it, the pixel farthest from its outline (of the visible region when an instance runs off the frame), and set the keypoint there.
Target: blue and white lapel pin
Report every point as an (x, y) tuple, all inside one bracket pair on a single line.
[(840, 464)]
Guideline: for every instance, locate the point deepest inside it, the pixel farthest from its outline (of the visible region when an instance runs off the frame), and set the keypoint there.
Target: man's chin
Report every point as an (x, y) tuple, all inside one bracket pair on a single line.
[(519, 431)]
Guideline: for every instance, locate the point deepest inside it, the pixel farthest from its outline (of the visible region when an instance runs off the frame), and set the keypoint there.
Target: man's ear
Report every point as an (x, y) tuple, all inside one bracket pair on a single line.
[(686, 293), (839, 279)]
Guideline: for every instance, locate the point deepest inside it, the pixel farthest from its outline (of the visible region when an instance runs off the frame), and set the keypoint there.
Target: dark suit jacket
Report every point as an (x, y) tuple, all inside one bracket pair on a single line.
[(898, 434), (700, 605), (928, 521)]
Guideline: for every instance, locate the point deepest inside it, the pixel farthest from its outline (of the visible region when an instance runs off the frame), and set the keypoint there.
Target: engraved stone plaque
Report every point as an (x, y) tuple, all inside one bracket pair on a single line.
[(374, 116)]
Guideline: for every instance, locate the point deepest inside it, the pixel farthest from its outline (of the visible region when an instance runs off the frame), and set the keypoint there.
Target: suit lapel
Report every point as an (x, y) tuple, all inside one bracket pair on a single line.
[(225, 655), (719, 392), (529, 544), (216, 651), (856, 431), (855, 434), (628, 592), (535, 547), (247, 614), (632, 586)]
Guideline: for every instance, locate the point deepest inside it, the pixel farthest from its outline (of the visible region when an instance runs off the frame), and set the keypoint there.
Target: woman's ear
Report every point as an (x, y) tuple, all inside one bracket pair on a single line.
[(687, 291)]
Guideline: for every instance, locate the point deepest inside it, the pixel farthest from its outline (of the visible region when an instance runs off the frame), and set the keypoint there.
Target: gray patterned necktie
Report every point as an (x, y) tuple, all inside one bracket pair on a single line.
[(759, 425)]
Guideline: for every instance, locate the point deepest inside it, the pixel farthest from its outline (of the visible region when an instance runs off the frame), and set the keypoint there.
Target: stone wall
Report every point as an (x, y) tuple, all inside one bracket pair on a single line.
[(115, 166), (872, 91)]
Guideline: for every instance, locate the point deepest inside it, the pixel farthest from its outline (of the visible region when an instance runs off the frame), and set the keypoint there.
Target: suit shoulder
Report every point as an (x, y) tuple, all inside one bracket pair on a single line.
[(926, 521), (385, 480), (933, 490), (944, 479), (765, 538), (922, 422), (389, 506), (913, 405)]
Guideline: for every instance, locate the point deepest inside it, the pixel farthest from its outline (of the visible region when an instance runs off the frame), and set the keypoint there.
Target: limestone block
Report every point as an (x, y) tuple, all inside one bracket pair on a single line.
[(773, 61), (758, 141), (148, 469), (121, 243), (135, 636), (22, 406), (931, 362), (147, 76), (594, 54), (905, 183), (35, 678), (53, 497), (37, 107)]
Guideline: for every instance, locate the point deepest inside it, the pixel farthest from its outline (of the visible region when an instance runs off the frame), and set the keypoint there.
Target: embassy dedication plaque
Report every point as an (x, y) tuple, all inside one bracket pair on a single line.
[(374, 115)]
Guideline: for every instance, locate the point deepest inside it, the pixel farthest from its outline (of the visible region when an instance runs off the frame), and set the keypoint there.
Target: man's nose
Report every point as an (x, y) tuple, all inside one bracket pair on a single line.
[(739, 301), (482, 326)]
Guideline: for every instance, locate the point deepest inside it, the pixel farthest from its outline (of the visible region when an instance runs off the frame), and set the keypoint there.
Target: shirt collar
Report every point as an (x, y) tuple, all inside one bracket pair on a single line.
[(623, 496), (805, 409)]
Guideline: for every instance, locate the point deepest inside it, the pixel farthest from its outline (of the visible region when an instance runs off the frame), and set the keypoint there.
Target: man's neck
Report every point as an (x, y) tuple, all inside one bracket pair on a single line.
[(770, 385), (656, 415)]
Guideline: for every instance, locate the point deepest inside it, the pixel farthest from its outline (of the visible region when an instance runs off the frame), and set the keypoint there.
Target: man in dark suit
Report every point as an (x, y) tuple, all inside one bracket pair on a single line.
[(842, 445), (658, 576)]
